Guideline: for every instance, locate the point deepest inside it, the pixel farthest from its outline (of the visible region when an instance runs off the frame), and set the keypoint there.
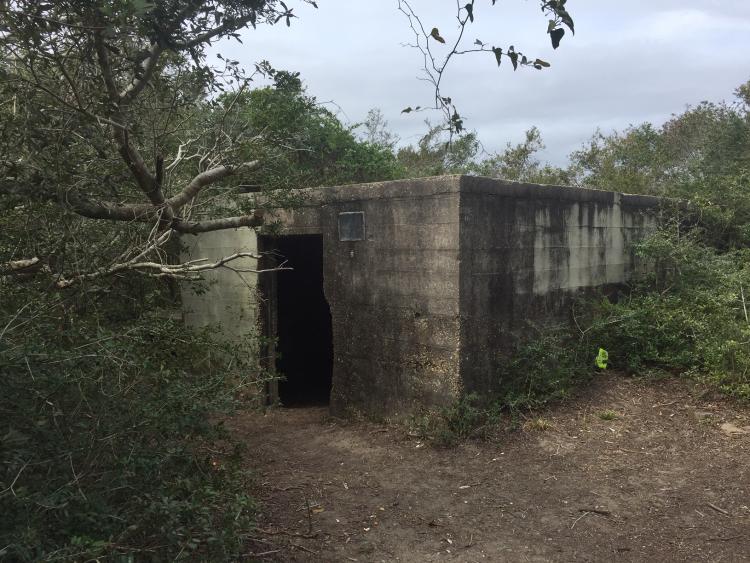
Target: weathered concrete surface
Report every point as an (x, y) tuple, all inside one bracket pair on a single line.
[(451, 269), (226, 299), (394, 297), (526, 252)]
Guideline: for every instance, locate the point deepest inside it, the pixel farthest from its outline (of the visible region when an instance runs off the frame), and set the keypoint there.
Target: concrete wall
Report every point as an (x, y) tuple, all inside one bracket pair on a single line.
[(226, 299), (394, 297), (451, 271), (527, 252)]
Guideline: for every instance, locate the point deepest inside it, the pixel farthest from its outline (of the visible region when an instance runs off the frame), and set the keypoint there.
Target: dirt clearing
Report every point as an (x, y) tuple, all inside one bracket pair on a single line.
[(629, 471)]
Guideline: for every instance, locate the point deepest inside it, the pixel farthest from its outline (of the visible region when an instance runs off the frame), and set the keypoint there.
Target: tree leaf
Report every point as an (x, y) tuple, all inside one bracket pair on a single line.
[(513, 59), (470, 10), (407, 110), (556, 35), (478, 42), (566, 19), (542, 63), (498, 54), (435, 34)]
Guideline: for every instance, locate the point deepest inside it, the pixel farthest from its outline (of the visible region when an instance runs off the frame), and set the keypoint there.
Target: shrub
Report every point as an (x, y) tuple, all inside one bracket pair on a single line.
[(111, 432), (690, 319)]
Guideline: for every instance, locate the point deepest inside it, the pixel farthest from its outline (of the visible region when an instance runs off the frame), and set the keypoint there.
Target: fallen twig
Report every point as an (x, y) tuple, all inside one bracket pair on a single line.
[(577, 519), (596, 511), (717, 509), (303, 548)]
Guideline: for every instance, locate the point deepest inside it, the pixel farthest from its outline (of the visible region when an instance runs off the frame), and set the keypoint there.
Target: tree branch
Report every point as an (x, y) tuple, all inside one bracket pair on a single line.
[(186, 271), (197, 227), (206, 178), (129, 153), (21, 267), (147, 70), (227, 27), (103, 58), (110, 211)]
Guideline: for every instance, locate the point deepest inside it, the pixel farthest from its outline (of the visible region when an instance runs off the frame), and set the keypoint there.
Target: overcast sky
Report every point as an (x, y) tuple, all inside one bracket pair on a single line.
[(630, 61)]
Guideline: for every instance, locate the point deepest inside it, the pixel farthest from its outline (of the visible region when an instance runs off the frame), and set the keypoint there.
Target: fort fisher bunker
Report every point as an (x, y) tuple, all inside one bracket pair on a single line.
[(406, 294)]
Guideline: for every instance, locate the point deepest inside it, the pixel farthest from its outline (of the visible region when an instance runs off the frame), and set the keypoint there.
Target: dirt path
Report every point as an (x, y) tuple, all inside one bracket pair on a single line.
[(662, 481)]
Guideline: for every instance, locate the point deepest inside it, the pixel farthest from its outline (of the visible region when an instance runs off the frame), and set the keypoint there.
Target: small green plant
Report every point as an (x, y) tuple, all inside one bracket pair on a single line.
[(545, 367), (608, 414), (469, 417)]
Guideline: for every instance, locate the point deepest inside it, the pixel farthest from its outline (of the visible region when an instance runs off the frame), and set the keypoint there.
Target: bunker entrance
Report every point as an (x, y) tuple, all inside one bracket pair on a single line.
[(301, 321)]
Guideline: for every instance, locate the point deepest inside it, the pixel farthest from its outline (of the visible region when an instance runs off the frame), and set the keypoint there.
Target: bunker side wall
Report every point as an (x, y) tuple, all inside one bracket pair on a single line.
[(225, 299), (526, 252), (394, 296)]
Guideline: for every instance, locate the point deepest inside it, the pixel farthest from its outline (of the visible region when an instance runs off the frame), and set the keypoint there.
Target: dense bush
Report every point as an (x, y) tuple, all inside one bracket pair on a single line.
[(110, 432), (690, 319), (690, 316), (547, 365)]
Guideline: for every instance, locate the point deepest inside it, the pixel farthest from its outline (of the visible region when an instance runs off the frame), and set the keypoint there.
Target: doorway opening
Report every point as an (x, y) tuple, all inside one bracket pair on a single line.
[(304, 346)]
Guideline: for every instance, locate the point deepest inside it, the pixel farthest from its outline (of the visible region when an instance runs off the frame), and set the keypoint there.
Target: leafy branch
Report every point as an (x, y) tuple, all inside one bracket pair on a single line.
[(435, 64)]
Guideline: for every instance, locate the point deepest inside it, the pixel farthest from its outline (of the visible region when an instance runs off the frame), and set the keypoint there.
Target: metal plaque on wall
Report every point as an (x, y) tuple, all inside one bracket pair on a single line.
[(352, 225)]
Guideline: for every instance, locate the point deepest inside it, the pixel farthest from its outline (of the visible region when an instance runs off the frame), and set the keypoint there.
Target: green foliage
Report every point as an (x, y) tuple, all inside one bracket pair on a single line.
[(519, 163), (434, 155), (690, 314), (689, 319), (111, 434), (545, 367), (471, 416), (302, 143)]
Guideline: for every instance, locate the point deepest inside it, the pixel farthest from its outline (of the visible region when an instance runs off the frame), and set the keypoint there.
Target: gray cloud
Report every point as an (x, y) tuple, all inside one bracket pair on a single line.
[(624, 65)]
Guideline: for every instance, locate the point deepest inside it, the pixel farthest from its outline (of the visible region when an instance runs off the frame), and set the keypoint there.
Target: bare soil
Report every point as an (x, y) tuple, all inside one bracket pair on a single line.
[(661, 481)]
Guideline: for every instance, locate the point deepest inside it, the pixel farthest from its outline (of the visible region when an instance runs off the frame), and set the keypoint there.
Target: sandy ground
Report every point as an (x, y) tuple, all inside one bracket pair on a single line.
[(668, 479)]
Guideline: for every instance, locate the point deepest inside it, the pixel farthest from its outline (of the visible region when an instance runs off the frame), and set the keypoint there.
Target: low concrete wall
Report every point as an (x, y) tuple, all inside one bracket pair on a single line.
[(527, 251)]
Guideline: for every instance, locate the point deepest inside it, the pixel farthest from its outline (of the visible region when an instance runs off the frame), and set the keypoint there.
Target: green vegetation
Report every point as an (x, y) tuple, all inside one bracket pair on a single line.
[(111, 413), (471, 417), (111, 437), (689, 316), (117, 137)]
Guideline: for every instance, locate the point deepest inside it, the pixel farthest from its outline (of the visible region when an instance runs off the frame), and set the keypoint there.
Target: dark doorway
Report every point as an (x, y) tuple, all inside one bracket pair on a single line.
[(304, 351)]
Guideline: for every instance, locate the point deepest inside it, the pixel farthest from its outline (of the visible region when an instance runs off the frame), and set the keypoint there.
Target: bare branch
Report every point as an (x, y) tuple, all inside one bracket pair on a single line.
[(185, 271), (196, 227), (147, 70), (206, 178), (25, 266), (434, 68), (110, 211)]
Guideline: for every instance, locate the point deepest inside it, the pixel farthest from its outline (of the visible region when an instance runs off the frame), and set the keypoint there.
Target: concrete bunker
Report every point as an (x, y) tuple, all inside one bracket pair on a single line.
[(429, 281)]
